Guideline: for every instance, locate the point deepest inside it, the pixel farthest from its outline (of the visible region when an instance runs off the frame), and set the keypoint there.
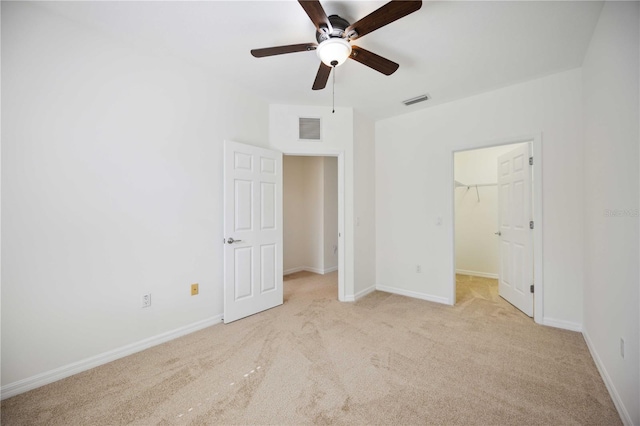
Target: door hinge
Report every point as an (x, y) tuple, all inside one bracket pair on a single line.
[(531, 224), (531, 161), (531, 288)]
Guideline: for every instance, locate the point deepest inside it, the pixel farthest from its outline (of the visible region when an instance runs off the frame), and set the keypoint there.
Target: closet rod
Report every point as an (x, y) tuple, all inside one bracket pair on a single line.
[(460, 184)]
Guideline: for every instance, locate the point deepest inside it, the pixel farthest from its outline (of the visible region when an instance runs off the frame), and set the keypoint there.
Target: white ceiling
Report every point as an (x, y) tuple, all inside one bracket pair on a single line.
[(449, 50)]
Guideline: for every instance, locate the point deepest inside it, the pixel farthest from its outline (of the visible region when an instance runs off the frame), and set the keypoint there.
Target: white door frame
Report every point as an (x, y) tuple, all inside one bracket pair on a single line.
[(341, 235), (536, 191)]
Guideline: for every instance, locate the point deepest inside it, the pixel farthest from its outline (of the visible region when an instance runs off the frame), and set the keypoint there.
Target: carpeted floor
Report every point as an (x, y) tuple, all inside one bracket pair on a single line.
[(385, 359)]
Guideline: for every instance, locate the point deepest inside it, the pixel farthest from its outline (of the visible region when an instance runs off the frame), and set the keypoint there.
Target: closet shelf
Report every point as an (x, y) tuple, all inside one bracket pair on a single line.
[(460, 184)]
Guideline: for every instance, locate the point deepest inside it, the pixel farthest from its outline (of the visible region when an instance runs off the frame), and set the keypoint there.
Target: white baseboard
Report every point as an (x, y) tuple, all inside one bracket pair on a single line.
[(477, 274), (47, 377), (566, 325), (293, 270), (309, 269), (613, 392), (414, 294), (360, 294), (363, 293)]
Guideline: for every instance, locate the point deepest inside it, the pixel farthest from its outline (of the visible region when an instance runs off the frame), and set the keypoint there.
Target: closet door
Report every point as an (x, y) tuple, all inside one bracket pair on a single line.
[(516, 238)]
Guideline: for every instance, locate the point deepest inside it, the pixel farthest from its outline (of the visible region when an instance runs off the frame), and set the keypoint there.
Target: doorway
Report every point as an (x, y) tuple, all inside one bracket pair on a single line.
[(493, 253), (311, 214)]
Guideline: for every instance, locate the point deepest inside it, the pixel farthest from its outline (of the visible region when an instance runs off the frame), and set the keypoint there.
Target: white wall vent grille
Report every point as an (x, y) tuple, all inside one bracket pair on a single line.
[(309, 128), (415, 100)]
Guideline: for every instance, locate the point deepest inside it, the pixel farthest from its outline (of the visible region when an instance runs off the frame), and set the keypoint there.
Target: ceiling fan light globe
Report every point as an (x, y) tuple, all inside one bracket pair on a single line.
[(334, 49)]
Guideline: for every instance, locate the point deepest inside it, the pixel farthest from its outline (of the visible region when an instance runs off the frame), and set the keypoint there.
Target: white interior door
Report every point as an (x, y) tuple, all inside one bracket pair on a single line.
[(252, 230), (516, 237)]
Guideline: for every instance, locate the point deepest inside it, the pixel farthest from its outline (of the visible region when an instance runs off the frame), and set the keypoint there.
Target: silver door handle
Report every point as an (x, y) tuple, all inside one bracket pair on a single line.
[(231, 241), (498, 233)]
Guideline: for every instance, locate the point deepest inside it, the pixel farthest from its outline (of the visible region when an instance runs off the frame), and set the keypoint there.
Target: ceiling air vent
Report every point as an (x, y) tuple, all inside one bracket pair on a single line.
[(415, 100), (309, 129)]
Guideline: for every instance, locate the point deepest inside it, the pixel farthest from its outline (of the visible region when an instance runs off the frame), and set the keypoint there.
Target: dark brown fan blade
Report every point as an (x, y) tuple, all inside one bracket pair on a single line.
[(385, 15), (316, 13), (374, 61), (322, 77), (279, 50)]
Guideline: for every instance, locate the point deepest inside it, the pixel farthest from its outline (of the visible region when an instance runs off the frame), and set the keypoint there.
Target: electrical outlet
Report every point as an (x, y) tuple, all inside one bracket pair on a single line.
[(622, 347), (146, 300), (194, 289), (418, 269)]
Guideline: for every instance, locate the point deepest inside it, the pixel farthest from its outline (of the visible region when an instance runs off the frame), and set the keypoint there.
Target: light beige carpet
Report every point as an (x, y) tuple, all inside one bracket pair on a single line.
[(385, 359)]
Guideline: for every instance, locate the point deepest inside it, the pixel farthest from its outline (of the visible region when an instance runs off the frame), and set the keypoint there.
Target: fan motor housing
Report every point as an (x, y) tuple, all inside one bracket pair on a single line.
[(338, 24)]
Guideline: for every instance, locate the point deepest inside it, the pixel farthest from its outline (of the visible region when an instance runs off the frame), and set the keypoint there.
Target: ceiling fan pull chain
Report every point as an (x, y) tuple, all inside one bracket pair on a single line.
[(333, 88), (333, 94)]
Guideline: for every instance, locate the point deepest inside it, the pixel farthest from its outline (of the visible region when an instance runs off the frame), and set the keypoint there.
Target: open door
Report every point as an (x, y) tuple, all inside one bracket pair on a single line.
[(516, 237), (252, 230)]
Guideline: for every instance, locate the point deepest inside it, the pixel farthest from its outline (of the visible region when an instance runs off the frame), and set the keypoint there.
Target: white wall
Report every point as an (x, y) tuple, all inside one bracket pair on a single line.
[(476, 245), (295, 202), (611, 175), (364, 204), (310, 214), (330, 209), (111, 188), (337, 138), (413, 187)]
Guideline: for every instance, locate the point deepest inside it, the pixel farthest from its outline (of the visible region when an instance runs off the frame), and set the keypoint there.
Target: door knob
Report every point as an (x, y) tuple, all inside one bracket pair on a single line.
[(498, 233), (231, 241)]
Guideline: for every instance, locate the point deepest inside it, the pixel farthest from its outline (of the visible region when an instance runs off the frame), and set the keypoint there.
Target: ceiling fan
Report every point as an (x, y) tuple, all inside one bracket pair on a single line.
[(334, 35)]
